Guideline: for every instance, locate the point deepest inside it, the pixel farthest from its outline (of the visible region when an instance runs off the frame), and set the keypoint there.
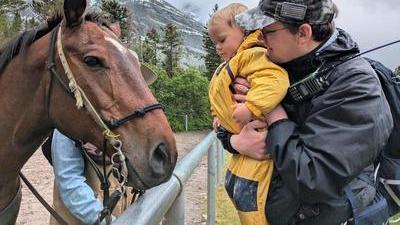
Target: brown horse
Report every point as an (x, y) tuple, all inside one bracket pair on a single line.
[(32, 103)]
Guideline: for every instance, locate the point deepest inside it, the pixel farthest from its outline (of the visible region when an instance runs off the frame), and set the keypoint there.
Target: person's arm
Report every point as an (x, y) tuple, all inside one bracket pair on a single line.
[(76, 194), (268, 82)]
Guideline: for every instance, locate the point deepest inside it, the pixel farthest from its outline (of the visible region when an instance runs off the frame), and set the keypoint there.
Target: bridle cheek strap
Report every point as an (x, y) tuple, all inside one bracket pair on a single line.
[(79, 94)]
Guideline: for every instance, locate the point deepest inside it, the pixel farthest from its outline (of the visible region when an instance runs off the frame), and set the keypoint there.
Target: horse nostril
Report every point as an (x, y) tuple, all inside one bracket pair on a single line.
[(160, 160)]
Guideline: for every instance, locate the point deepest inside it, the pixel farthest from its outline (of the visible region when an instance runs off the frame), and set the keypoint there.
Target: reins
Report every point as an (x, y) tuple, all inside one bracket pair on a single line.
[(56, 216)]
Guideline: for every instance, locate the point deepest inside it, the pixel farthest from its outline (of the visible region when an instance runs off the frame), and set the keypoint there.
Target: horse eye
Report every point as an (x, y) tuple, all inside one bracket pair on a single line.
[(93, 61)]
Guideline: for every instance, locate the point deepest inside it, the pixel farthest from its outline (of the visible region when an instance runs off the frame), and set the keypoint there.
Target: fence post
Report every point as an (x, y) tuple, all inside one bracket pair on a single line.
[(176, 213), (220, 163), (186, 122), (211, 184)]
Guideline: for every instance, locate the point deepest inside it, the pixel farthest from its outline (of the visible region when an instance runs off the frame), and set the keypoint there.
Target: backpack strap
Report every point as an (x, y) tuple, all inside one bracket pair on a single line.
[(386, 183), (353, 202), (232, 76), (364, 177), (356, 206)]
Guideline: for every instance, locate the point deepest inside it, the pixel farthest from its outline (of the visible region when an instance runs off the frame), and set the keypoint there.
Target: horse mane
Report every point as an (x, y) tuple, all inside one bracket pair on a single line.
[(20, 43)]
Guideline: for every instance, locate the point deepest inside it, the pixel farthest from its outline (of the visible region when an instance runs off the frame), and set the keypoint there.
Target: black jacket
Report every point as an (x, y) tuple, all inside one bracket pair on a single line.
[(327, 141)]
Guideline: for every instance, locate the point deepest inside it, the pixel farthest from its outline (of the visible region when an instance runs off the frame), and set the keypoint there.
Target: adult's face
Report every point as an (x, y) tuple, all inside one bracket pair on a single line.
[(283, 46)]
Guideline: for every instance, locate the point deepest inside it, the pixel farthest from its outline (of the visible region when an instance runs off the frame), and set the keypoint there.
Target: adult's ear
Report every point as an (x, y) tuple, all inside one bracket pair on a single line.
[(74, 12), (305, 34)]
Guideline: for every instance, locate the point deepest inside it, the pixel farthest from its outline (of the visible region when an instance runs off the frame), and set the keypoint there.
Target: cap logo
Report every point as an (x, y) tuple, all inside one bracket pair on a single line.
[(292, 10)]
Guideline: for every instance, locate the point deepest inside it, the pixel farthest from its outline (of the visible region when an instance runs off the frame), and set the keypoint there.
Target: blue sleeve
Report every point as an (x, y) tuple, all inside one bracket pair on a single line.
[(69, 167)]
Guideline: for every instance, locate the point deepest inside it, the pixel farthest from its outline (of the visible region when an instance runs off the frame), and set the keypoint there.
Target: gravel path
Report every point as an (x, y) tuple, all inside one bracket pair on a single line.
[(40, 174)]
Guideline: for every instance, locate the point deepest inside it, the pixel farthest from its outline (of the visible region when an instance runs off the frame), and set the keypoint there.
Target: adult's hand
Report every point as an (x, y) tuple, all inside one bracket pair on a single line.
[(92, 149), (241, 86), (276, 114), (250, 141)]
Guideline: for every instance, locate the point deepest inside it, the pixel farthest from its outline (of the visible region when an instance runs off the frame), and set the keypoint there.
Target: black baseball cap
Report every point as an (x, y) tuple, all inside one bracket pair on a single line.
[(288, 11)]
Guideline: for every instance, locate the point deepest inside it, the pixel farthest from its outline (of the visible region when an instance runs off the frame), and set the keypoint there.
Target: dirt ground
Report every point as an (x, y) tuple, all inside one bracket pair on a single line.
[(40, 174)]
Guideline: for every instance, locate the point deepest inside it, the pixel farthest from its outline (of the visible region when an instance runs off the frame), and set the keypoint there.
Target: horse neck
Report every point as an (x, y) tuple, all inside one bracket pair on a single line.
[(23, 118)]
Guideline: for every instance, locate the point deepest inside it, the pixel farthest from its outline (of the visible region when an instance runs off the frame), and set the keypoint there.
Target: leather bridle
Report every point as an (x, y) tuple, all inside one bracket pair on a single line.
[(118, 159)]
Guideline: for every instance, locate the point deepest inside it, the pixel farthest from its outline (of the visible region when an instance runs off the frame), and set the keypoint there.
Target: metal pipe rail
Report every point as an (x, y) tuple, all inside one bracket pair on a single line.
[(167, 200)]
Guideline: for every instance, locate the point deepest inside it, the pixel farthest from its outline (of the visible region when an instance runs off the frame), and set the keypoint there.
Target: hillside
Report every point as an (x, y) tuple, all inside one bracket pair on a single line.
[(157, 13)]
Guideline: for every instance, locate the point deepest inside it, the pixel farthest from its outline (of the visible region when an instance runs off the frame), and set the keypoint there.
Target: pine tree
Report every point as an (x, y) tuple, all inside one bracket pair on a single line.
[(211, 60), (12, 6), (116, 12), (16, 25), (31, 22), (9, 16), (171, 47), (3, 28), (46, 8), (397, 71), (150, 47)]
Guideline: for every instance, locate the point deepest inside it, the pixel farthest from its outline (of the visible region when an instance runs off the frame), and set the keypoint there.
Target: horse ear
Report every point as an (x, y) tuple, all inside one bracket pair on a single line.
[(148, 74), (116, 29), (73, 12)]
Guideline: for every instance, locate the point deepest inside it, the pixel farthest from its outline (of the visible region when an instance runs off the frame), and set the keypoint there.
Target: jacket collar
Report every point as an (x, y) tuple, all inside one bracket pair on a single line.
[(251, 40)]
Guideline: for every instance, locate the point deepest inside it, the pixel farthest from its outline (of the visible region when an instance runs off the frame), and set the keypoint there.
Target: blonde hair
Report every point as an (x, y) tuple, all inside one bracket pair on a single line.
[(227, 14)]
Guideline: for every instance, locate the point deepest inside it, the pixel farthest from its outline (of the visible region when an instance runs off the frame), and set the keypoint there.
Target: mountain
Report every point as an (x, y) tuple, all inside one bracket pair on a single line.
[(147, 14)]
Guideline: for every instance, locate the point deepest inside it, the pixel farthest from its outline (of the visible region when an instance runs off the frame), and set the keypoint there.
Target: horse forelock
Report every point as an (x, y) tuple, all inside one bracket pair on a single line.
[(18, 44)]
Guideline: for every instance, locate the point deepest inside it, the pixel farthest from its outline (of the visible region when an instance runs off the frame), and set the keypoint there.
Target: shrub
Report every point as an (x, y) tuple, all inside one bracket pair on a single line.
[(186, 93)]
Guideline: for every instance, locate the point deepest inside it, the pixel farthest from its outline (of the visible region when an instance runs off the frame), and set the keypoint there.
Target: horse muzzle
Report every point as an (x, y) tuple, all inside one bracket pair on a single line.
[(161, 163)]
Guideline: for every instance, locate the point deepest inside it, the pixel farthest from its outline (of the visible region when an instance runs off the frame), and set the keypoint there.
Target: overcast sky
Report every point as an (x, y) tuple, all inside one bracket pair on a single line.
[(370, 22)]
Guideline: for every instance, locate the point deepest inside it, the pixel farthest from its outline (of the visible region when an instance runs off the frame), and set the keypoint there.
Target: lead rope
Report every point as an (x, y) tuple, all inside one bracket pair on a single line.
[(56, 216)]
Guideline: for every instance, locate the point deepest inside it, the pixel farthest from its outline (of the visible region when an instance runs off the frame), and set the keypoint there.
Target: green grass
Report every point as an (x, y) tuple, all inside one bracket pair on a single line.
[(226, 212)]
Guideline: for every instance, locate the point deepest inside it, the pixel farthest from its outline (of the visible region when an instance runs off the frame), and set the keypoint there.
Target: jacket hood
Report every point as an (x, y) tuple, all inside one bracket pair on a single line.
[(339, 46)]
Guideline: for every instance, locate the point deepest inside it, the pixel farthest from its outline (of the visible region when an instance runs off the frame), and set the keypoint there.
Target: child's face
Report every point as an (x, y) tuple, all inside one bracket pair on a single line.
[(226, 39)]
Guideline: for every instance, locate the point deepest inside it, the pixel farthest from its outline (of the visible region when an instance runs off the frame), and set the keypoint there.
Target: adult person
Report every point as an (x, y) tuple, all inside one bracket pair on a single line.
[(322, 143), (76, 194)]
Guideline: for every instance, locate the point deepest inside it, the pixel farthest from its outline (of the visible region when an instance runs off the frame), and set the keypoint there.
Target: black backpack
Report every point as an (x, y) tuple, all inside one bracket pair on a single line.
[(391, 87), (388, 176)]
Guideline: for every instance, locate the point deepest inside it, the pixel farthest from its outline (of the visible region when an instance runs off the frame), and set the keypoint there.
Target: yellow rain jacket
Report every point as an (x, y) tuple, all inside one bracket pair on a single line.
[(247, 180)]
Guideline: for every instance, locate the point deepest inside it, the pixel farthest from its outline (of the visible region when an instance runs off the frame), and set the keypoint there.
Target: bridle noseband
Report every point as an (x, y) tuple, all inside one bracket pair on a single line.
[(118, 159)]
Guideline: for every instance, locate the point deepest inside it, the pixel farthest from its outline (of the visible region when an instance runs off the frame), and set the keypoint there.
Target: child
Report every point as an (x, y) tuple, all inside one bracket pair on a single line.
[(247, 180)]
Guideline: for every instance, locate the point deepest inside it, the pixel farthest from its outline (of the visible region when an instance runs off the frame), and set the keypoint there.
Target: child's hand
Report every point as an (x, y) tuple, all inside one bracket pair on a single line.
[(215, 123), (241, 114)]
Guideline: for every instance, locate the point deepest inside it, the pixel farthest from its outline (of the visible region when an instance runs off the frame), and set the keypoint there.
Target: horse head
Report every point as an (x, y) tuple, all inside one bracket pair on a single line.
[(109, 76)]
